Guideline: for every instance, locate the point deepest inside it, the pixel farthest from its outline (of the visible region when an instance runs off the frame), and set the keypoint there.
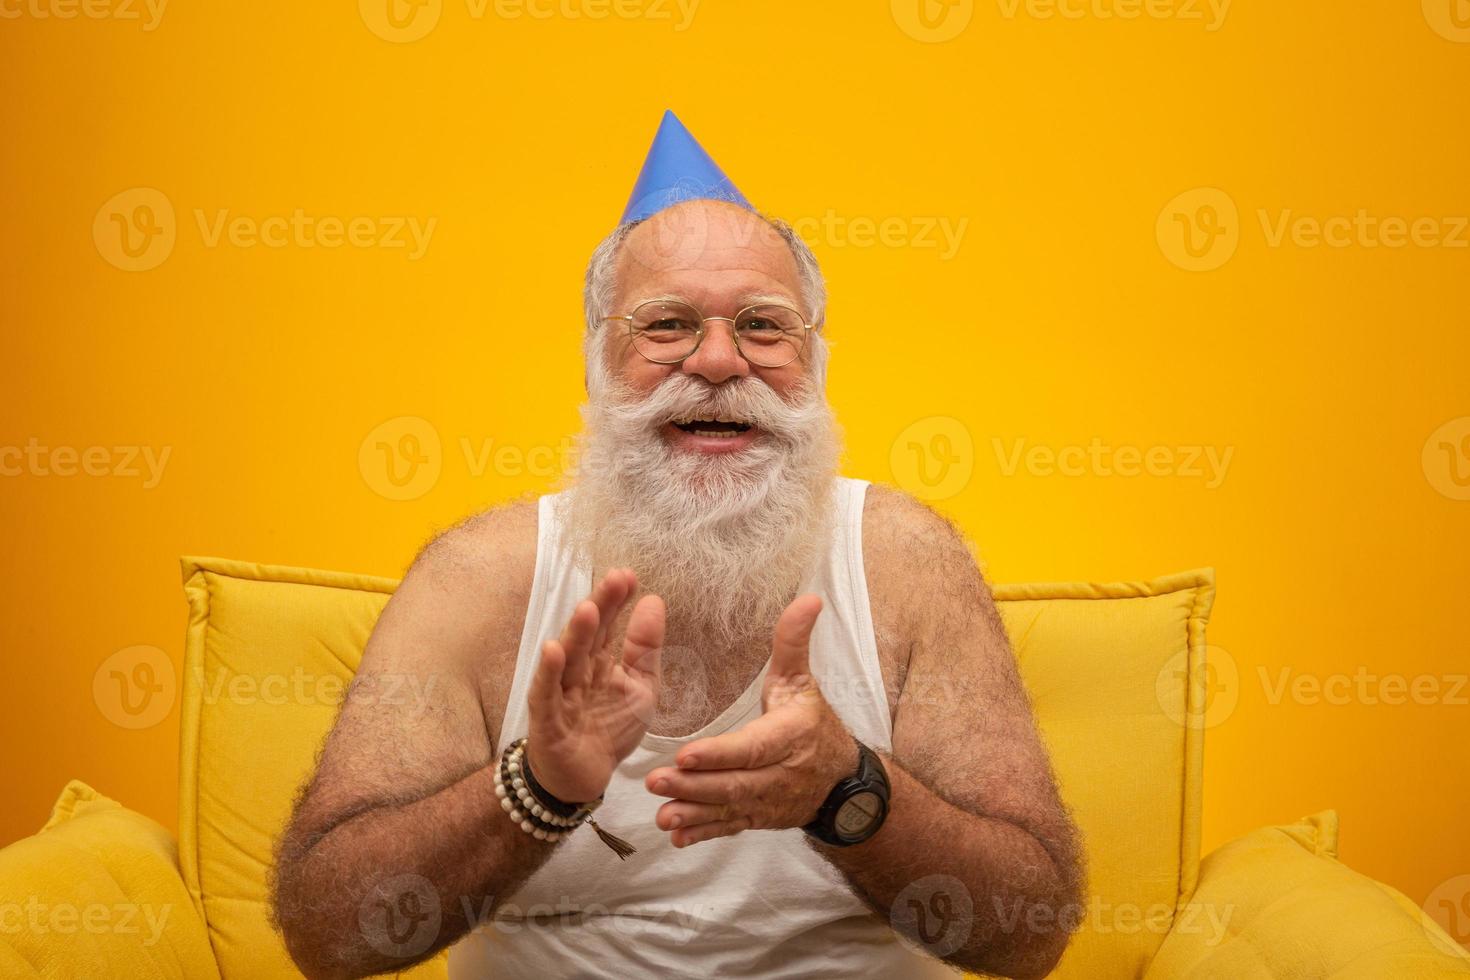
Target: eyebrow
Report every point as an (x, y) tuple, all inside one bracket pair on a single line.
[(746, 300), (758, 299)]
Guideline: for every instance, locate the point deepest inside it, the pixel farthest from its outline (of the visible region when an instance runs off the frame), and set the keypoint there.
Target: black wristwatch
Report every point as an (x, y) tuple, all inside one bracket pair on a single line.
[(856, 807)]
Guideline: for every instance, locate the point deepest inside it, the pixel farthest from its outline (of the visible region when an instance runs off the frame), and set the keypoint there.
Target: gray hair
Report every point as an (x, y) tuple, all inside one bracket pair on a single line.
[(601, 286)]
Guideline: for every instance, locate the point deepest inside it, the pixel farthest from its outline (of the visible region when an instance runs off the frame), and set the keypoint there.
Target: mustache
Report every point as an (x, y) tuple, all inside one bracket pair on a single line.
[(745, 399)]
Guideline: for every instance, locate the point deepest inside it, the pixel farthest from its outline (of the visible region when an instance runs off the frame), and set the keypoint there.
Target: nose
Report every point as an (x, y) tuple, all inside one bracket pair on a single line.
[(718, 359)]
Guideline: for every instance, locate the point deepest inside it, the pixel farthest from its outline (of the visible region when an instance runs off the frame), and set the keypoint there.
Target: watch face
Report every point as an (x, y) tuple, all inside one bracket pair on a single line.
[(856, 817)]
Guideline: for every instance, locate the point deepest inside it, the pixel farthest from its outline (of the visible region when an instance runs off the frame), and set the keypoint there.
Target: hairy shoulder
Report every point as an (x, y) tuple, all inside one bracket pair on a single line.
[(462, 604), (920, 567), (894, 521), (924, 590), (500, 542)]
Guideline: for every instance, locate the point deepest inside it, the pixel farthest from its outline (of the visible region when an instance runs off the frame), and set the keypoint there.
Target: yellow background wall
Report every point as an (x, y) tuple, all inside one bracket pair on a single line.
[(1065, 314)]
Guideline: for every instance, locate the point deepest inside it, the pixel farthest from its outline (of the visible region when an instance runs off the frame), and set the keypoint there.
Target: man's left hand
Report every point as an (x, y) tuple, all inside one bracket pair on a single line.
[(776, 771)]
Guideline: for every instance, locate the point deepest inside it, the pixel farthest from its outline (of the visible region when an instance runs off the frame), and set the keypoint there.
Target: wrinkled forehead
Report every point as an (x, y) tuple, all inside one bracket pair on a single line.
[(708, 252)]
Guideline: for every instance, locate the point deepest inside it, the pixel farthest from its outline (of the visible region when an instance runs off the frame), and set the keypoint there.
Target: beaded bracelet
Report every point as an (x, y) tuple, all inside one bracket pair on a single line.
[(536, 811)]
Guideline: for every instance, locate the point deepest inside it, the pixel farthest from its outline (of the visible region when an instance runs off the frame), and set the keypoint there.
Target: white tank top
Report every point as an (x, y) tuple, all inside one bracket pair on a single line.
[(759, 904)]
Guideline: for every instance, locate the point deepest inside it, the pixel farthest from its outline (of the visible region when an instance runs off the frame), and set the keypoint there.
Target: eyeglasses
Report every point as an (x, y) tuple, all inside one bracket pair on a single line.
[(667, 332)]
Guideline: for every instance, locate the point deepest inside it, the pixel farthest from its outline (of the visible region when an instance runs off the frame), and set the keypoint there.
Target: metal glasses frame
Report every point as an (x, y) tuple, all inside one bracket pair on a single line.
[(807, 328)]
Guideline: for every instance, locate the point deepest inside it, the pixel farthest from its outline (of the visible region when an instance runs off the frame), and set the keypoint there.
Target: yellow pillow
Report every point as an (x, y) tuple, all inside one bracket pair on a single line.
[(267, 658), (1276, 905), (98, 885), (1115, 673)]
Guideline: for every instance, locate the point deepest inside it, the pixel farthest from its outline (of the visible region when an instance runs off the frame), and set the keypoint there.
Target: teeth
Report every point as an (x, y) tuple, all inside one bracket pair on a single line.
[(721, 434)]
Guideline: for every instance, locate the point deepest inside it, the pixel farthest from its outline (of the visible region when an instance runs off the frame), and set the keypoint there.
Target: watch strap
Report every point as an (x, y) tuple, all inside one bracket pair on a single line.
[(870, 777)]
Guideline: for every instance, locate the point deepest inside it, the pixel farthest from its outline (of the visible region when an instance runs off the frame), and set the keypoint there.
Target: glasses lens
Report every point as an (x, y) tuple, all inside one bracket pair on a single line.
[(771, 335), (665, 332)]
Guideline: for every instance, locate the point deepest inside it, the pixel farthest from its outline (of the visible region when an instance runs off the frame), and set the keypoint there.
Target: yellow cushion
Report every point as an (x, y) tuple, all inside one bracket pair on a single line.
[(267, 659), (1113, 671), (1116, 677), (98, 885), (1276, 905)]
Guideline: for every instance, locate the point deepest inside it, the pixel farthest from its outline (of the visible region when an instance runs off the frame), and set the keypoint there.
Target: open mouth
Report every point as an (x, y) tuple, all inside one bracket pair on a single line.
[(716, 428)]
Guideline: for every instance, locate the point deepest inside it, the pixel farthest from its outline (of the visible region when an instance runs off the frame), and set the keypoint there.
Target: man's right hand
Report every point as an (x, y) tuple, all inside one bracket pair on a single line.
[(588, 712)]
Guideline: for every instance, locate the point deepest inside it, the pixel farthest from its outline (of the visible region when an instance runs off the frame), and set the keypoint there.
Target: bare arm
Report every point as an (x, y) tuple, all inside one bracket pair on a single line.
[(976, 820), (398, 840), (399, 844)]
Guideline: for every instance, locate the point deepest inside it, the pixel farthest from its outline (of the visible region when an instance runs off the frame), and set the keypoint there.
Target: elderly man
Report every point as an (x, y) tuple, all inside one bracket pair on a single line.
[(783, 698)]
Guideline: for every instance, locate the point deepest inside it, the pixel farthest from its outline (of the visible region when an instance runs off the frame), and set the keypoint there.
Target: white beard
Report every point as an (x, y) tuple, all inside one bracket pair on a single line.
[(726, 539)]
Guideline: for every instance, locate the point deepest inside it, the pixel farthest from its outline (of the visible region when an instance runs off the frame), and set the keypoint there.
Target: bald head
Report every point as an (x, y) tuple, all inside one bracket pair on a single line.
[(718, 257), (713, 254)]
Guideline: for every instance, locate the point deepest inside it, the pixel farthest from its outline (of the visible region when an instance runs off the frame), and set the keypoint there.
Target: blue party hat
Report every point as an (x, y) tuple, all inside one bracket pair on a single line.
[(677, 169)]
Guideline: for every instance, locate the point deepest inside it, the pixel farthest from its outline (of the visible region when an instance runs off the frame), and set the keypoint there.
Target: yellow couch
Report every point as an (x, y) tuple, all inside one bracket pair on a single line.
[(1116, 674)]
